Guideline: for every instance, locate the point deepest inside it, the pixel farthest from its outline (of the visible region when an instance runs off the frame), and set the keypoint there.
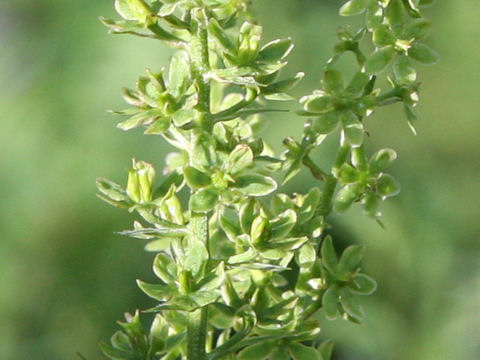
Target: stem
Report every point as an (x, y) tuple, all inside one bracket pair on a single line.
[(314, 169), (199, 65), (331, 183), (196, 334)]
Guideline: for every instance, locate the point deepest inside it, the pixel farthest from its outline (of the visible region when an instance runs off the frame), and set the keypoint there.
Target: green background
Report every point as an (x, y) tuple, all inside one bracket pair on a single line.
[(66, 277)]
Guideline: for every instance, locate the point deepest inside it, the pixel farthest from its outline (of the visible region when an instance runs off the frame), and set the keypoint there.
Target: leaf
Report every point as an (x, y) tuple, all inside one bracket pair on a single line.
[(351, 258), (254, 184), (302, 352), (195, 178), (382, 36), (306, 256), (244, 257), (159, 126), (326, 349), (258, 351), (381, 160), (395, 16), (196, 257), (239, 159), (423, 54), (283, 224), (317, 103), (380, 59), (156, 291), (112, 190), (144, 117), (179, 73), (346, 196), (132, 9), (330, 302), (353, 7), (115, 354), (333, 81), (363, 285), (418, 29), (329, 256), (248, 212), (165, 269), (275, 50), (203, 200), (309, 205), (358, 83), (326, 123), (404, 71), (388, 186), (280, 353), (352, 128), (351, 305), (281, 86)]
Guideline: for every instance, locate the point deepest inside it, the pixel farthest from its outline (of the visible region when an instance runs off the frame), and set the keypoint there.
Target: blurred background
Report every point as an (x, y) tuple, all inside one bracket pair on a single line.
[(66, 276)]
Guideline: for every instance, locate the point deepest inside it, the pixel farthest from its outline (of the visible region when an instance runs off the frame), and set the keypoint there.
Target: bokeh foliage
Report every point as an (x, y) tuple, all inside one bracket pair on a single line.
[(65, 277)]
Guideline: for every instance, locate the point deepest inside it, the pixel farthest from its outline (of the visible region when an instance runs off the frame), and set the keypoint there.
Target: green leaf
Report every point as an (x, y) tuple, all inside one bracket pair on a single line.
[(374, 17), (275, 50), (358, 83), (203, 200), (196, 257), (281, 86), (258, 351), (280, 353), (381, 160), (395, 16), (283, 224), (346, 196), (423, 54), (371, 202), (133, 9), (352, 128), (156, 291), (380, 59), (351, 258), (330, 302), (112, 190), (165, 269), (248, 212), (351, 305), (382, 36), (418, 29), (353, 7), (260, 230), (326, 349), (302, 352), (159, 126), (404, 71), (309, 205), (317, 103), (329, 256), (254, 184), (306, 256), (388, 186), (143, 117), (244, 257), (179, 74), (333, 81), (348, 174), (326, 123), (115, 354), (195, 178), (363, 285), (239, 159)]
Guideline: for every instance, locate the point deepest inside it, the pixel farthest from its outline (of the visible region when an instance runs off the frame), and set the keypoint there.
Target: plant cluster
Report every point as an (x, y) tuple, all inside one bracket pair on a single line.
[(243, 267)]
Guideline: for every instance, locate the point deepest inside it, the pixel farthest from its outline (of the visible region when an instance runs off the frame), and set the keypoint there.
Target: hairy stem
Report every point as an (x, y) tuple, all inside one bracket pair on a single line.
[(199, 64)]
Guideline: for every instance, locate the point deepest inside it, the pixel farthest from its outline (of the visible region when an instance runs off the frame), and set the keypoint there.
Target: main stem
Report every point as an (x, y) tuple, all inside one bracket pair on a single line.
[(199, 65)]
